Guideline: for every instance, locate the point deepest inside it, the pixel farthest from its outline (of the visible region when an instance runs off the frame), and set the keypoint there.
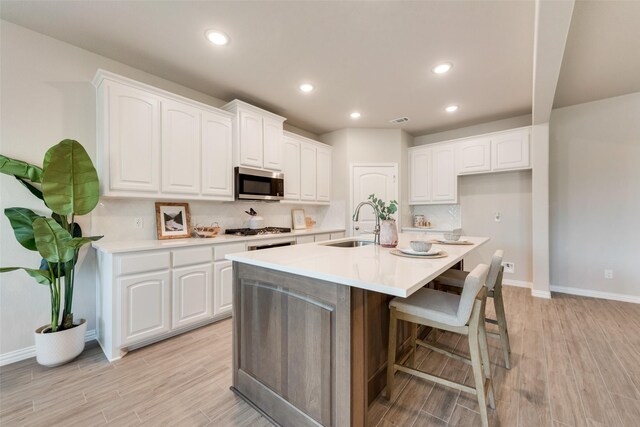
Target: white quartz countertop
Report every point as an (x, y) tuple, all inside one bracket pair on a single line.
[(143, 245), (370, 267)]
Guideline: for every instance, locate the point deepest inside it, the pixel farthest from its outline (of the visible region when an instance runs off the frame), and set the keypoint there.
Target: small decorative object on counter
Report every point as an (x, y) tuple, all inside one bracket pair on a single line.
[(298, 219), (420, 221), (173, 220), (309, 222), (388, 227), (207, 232), (256, 221)]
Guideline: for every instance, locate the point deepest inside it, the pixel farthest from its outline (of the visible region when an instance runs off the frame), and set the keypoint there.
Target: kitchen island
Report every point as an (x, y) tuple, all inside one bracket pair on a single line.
[(310, 326)]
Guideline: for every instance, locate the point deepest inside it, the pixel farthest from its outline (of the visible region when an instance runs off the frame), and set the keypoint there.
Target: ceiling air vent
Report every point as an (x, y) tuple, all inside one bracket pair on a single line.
[(399, 120)]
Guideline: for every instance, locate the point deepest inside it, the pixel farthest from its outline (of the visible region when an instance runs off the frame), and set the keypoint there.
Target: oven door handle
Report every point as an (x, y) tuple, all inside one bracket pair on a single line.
[(270, 245)]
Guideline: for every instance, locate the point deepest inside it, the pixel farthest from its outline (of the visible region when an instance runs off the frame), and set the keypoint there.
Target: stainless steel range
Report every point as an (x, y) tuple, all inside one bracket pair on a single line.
[(258, 231)]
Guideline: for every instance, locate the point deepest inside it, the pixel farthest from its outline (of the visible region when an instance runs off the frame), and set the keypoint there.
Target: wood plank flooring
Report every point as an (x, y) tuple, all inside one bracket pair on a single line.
[(576, 362)]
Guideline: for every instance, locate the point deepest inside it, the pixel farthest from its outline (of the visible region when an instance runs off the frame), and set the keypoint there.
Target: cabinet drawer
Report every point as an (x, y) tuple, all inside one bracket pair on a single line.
[(322, 237), (131, 264), (300, 240), (338, 235), (192, 256), (220, 251)]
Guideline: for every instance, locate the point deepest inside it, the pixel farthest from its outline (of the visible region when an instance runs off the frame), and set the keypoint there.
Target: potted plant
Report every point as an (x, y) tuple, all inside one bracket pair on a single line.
[(388, 227), (68, 185)]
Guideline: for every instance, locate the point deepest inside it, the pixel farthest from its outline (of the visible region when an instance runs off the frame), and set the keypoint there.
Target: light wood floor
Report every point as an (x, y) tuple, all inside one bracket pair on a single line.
[(576, 362)]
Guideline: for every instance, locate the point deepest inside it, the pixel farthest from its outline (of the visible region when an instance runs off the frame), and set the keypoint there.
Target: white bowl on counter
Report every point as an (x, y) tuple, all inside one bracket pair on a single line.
[(420, 245), (453, 235)]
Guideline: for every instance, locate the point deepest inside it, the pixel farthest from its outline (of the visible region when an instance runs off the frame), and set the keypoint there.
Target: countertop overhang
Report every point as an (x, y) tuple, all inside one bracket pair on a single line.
[(370, 267)]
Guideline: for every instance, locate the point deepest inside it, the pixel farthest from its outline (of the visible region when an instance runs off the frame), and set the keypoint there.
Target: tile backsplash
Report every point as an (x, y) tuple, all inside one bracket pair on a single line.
[(442, 217), (115, 218)]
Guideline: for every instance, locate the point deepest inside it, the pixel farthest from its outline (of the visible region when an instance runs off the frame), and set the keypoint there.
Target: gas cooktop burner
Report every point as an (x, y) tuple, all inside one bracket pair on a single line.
[(253, 232)]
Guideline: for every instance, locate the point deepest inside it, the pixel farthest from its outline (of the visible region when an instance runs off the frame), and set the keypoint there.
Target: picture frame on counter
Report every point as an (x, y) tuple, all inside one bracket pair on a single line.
[(173, 220), (298, 219)]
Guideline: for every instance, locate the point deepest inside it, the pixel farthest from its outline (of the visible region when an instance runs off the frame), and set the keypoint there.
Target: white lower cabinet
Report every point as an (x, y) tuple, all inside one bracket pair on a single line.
[(224, 286), (145, 306), (192, 289), (322, 237), (301, 240)]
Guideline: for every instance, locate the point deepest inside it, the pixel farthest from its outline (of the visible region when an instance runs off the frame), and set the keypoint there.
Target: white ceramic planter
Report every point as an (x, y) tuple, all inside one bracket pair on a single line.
[(388, 233), (58, 348)]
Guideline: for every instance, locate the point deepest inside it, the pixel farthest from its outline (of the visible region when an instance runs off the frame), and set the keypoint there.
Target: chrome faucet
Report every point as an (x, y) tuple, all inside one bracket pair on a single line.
[(376, 229)]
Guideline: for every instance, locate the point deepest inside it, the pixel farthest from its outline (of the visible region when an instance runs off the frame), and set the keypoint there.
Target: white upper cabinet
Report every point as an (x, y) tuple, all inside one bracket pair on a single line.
[(272, 133), (217, 176), (129, 159), (154, 143), (443, 177), (510, 150), (420, 175), (250, 137), (308, 171), (257, 136), (291, 168), (474, 156), (323, 174), (180, 148)]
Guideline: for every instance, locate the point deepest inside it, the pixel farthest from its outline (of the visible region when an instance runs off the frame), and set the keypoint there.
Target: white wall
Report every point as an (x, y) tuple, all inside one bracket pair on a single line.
[(47, 96), (595, 195), (366, 146), (509, 193)]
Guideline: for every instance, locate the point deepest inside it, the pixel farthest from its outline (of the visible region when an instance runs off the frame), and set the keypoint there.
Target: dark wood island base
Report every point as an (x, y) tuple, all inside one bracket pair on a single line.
[(307, 352)]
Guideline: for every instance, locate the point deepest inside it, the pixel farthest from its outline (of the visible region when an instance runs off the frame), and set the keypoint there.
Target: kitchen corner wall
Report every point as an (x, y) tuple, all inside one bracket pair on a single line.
[(367, 146), (47, 96), (595, 197)]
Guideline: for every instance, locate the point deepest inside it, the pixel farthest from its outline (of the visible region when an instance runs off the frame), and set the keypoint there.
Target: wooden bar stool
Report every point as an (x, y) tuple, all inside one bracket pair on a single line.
[(456, 279), (462, 314)]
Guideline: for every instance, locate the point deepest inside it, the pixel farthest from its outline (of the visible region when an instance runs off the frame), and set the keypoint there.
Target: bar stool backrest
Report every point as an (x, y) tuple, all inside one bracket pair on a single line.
[(472, 285), (496, 266)]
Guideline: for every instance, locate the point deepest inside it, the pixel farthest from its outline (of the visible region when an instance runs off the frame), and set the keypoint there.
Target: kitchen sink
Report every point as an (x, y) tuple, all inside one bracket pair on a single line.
[(348, 244)]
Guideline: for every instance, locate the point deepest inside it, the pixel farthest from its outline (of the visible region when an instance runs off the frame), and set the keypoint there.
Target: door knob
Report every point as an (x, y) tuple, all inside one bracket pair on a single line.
[(357, 227)]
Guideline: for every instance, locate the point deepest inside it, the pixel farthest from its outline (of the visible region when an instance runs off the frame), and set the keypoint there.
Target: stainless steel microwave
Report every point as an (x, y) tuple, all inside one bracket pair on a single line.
[(255, 184)]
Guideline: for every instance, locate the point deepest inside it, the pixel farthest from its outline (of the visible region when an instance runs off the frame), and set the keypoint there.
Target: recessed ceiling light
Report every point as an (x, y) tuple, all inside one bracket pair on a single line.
[(217, 37), (306, 87), (442, 68), (451, 108), (355, 115)]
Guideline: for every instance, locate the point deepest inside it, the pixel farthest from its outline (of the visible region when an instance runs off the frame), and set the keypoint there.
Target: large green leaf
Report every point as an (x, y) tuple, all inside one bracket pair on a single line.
[(78, 242), (52, 240), (21, 220), (70, 182), (42, 276), (20, 169)]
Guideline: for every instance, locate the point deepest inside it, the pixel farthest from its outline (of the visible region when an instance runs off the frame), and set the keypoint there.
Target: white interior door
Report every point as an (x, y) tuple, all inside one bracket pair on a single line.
[(378, 179)]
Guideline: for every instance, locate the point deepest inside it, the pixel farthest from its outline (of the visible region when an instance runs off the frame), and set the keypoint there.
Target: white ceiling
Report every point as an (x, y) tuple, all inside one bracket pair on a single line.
[(602, 56), (374, 57)]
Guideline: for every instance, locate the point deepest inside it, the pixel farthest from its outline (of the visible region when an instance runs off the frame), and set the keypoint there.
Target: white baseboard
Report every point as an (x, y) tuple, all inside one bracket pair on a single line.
[(540, 294), (29, 352), (596, 294), (517, 283)]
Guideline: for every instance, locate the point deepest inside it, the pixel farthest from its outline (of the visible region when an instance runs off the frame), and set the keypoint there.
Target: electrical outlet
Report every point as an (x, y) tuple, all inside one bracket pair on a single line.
[(138, 222), (509, 267), (608, 274), (497, 217)]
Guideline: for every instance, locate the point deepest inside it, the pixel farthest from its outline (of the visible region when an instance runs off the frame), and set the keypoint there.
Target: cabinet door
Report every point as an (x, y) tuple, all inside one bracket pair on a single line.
[(323, 174), (420, 175), (250, 139), (322, 237), (132, 133), (145, 306), (272, 138), (192, 288), (291, 169), (444, 177), (474, 156), (223, 285), (217, 162), (180, 148), (307, 171), (510, 151)]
